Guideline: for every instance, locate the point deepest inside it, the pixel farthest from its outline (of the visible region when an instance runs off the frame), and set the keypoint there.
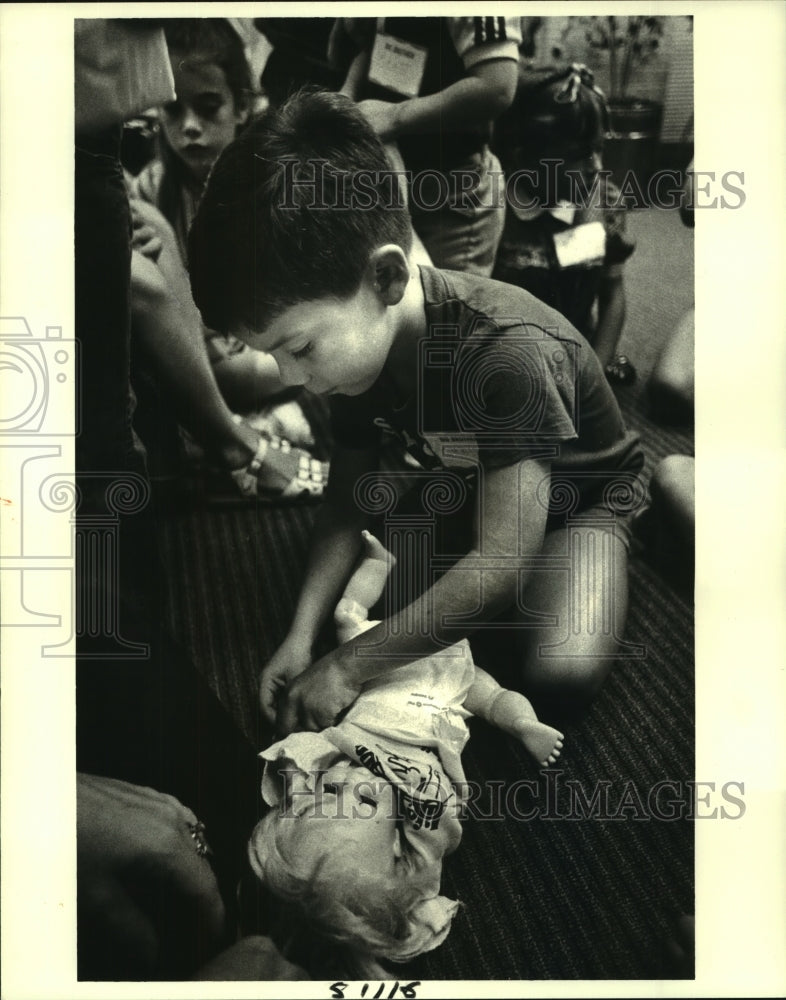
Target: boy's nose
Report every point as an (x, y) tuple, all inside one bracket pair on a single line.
[(191, 124), (291, 373)]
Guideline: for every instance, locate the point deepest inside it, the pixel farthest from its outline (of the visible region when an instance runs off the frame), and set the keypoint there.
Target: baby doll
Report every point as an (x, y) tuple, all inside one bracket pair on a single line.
[(363, 812)]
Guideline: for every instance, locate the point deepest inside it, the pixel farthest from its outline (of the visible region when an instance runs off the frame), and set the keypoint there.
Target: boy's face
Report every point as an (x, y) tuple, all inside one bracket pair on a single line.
[(202, 121), (329, 345)]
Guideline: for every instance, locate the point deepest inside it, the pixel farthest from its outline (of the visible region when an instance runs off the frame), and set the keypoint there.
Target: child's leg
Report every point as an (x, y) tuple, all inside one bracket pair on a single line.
[(671, 385), (570, 632), (364, 588), (667, 527), (512, 713)]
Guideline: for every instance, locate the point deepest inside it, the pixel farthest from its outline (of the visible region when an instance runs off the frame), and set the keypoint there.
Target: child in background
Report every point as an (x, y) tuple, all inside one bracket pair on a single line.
[(433, 87), (207, 375), (497, 399), (363, 813), (564, 238), (214, 93)]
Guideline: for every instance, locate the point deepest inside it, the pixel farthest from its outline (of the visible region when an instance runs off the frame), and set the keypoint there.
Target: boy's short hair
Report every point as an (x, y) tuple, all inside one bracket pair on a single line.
[(291, 212)]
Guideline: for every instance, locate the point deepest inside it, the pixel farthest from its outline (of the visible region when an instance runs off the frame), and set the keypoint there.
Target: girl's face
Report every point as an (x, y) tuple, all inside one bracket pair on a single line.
[(202, 121)]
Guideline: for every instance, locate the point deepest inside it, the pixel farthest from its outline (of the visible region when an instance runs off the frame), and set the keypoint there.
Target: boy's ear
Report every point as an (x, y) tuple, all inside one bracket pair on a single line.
[(389, 273)]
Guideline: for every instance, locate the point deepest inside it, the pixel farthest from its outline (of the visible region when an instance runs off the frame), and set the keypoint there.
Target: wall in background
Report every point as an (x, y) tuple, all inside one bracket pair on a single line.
[(666, 77)]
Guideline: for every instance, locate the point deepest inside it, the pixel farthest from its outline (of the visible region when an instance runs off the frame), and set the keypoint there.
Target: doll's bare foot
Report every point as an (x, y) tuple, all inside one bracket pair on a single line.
[(350, 619), (368, 581), (513, 713)]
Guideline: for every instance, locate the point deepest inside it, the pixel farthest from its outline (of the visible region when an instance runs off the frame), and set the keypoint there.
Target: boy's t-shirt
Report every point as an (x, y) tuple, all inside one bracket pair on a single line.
[(501, 377)]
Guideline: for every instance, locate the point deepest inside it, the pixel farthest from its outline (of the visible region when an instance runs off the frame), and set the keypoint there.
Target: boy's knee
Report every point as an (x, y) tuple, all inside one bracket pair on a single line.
[(673, 480), (571, 682)]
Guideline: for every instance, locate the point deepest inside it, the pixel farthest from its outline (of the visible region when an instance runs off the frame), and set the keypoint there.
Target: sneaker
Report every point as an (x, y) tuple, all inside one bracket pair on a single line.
[(619, 371)]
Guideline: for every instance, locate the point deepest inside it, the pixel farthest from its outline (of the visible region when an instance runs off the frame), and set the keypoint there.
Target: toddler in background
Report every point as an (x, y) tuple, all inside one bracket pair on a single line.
[(564, 238), (363, 812)]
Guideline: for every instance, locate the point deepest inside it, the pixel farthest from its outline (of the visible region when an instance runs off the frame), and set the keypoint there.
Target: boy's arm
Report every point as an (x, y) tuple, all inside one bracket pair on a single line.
[(511, 522), (482, 96), (334, 550)]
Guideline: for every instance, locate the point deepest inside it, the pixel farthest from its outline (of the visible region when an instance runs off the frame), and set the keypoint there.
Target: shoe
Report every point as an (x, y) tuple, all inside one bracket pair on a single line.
[(281, 471), (619, 371)]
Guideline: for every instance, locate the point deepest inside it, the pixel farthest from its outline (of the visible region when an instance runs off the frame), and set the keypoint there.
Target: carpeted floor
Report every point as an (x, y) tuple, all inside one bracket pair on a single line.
[(589, 887)]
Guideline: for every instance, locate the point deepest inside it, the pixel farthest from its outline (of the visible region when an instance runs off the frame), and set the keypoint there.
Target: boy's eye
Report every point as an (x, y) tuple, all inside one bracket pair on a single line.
[(367, 801), (208, 108), (302, 352), (330, 788), (171, 109)]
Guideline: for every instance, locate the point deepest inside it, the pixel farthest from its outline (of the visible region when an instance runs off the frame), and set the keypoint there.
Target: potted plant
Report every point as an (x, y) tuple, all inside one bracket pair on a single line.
[(616, 48)]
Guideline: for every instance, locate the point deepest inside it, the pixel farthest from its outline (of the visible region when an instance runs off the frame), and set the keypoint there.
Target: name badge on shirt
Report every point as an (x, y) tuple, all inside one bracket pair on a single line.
[(581, 245), (397, 65)]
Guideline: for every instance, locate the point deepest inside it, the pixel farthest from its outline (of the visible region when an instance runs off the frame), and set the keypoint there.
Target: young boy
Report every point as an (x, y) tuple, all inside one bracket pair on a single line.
[(300, 247)]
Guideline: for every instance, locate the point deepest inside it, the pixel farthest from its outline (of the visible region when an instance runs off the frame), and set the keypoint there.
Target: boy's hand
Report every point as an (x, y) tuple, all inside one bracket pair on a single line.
[(287, 663), (317, 697)]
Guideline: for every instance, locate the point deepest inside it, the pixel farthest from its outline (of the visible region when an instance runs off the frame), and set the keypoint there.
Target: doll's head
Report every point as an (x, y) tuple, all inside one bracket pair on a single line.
[(334, 853)]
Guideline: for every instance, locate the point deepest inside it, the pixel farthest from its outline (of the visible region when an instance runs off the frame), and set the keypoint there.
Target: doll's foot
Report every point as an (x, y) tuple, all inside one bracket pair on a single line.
[(513, 713), (366, 584), (350, 619)]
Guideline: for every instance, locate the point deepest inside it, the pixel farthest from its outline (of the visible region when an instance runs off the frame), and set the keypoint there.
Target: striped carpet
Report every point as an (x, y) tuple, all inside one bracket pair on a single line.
[(585, 889)]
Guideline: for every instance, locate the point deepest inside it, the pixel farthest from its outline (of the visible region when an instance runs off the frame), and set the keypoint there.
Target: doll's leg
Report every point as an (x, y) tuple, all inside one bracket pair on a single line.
[(512, 713), (364, 588)]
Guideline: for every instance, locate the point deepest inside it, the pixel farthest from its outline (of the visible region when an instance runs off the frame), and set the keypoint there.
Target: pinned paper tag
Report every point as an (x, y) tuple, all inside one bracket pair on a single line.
[(397, 65), (581, 245)]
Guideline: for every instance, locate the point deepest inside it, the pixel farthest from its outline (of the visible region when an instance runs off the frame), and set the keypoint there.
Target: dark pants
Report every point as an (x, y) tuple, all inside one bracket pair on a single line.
[(102, 304), (149, 720)]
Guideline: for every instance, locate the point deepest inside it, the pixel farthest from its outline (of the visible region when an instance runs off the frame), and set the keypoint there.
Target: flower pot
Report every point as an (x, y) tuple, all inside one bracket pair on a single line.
[(631, 146)]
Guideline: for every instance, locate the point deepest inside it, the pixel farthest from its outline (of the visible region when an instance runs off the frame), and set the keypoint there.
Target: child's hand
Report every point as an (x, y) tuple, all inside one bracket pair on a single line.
[(288, 661), (145, 238), (317, 697)]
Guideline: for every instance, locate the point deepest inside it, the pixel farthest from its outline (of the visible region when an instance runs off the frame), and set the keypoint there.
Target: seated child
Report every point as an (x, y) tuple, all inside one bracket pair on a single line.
[(363, 813), (564, 238), (500, 403)]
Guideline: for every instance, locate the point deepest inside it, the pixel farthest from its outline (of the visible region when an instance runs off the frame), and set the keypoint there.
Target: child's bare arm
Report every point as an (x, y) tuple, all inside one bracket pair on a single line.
[(511, 522)]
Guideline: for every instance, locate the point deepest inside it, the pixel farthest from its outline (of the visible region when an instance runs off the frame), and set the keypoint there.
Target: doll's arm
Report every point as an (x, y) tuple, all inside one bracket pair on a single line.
[(512, 713), (364, 588)]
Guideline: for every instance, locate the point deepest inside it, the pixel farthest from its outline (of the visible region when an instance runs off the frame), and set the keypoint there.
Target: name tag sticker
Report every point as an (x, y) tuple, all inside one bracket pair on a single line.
[(397, 65), (581, 245)]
